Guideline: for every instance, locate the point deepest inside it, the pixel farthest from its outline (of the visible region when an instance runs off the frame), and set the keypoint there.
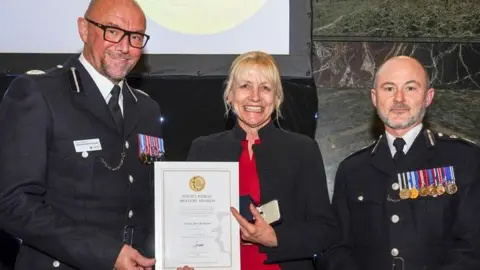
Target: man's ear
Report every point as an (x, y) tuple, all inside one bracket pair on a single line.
[(430, 95), (82, 25), (373, 96)]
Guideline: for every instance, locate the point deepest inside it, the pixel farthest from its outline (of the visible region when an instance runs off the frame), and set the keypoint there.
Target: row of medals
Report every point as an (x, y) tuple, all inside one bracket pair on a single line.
[(413, 193), (148, 159)]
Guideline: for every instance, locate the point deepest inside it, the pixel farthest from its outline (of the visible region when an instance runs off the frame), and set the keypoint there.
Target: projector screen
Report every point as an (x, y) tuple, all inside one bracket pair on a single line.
[(199, 38)]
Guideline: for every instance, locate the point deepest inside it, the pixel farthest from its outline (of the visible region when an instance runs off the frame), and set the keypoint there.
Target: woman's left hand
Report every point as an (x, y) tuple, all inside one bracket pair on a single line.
[(260, 232)]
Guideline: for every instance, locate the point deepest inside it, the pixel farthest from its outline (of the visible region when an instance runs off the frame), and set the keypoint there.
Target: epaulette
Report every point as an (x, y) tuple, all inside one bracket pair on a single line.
[(446, 137), (35, 72), (48, 72), (363, 149), (429, 138)]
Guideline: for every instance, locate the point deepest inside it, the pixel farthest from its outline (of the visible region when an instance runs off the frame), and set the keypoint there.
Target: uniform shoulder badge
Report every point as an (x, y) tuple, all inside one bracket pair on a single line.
[(429, 138), (453, 137), (35, 72)]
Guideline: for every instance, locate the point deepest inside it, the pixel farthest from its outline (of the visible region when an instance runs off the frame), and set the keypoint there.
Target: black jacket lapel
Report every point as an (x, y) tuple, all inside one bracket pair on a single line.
[(90, 99), (420, 153), (130, 111), (382, 157)]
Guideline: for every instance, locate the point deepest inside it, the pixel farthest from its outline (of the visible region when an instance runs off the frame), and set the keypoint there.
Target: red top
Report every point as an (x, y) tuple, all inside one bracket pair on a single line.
[(250, 257)]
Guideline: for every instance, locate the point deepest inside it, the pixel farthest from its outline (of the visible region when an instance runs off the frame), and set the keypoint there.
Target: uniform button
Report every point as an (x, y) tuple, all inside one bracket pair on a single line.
[(395, 218), (84, 154), (130, 214), (130, 178), (56, 264), (360, 198), (395, 252), (395, 186), (127, 145)]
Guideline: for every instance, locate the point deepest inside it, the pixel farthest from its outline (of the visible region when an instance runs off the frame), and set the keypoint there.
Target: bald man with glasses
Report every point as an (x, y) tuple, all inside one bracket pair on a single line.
[(76, 181)]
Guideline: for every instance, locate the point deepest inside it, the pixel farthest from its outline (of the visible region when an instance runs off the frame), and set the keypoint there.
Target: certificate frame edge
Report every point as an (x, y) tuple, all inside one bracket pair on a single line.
[(159, 167)]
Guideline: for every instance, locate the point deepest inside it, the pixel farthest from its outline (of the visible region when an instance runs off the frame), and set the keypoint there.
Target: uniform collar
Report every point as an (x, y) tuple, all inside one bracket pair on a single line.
[(103, 83), (428, 138), (409, 138)]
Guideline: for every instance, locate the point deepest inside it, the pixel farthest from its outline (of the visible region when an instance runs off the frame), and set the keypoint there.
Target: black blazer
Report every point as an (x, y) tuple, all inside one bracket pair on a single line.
[(290, 169), (426, 233), (68, 208)]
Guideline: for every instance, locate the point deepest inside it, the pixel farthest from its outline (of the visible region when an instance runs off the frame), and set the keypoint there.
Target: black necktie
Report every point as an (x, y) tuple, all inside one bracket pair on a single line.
[(114, 107), (399, 143)]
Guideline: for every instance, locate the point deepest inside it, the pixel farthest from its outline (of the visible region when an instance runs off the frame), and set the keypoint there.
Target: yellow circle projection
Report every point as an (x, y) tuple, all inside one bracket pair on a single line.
[(200, 17)]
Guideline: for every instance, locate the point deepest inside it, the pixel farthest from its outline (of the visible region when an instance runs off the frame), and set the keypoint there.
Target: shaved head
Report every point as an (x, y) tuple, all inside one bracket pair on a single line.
[(403, 58), (113, 59), (97, 6)]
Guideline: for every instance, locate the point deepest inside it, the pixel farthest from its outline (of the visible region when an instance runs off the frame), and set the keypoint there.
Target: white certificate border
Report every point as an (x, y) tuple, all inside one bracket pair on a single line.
[(160, 168)]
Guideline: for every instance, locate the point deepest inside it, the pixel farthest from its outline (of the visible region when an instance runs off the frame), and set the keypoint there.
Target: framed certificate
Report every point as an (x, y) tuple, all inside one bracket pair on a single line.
[(193, 222)]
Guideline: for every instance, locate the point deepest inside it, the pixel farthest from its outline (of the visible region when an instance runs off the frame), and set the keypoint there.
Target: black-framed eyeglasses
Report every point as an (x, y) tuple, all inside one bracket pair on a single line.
[(116, 34)]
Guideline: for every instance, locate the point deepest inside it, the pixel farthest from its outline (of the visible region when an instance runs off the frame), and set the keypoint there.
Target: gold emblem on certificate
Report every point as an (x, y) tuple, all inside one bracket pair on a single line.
[(197, 183)]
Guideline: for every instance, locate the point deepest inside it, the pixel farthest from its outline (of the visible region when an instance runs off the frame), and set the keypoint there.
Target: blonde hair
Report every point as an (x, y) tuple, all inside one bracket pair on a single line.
[(268, 66)]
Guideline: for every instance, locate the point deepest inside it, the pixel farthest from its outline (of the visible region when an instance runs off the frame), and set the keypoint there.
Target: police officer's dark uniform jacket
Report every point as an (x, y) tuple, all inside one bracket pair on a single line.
[(381, 231), (74, 210)]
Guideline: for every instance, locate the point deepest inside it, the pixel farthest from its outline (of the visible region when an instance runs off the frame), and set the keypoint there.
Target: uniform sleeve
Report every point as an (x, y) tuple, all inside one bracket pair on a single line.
[(340, 257), (25, 124), (465, 252), (317, 232)]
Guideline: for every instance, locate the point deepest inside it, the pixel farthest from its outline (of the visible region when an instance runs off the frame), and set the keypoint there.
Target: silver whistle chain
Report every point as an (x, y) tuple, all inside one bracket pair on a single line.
[(122, 159)]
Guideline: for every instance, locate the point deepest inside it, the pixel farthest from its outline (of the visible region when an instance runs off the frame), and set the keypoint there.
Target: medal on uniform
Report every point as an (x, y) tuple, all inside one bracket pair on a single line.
[(151, 143), (142, 149), (432, 190), (404, 191), (159, 149), (440, 181), (414, 184), (151, 149), (423, 188), (400, 186), (451, 186)]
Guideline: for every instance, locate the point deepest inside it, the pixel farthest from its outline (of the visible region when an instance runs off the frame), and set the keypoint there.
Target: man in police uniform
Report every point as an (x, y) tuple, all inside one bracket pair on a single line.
[(72, 186), (411, 200)]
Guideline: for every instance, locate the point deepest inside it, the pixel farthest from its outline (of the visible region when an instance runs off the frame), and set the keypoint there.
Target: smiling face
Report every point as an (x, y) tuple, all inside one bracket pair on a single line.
[(113, 60), (252, 99), (254, 90), (401, 94)]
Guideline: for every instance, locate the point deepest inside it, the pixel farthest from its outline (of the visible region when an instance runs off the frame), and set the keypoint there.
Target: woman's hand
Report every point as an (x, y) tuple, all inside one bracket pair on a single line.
[(260, 232)]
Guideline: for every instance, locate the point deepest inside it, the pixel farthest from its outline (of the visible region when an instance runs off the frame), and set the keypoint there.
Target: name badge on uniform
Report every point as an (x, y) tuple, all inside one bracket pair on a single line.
[(427, 182), (87, 145), (150, 149)]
